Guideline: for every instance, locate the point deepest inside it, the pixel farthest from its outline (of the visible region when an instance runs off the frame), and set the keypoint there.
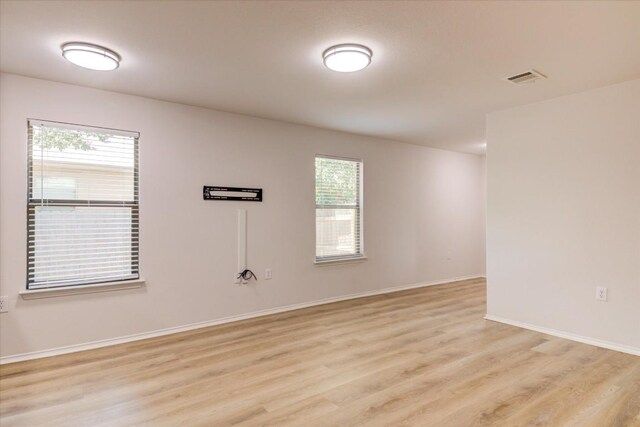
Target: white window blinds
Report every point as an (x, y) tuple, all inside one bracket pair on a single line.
[(338, 208), (82, 205)]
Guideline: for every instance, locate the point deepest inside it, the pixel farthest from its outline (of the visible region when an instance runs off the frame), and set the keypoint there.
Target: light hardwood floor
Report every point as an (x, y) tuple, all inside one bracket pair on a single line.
[(424, 357)]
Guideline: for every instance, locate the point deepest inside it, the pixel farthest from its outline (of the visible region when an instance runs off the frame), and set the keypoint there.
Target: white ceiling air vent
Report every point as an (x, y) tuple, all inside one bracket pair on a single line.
[(529, 76)]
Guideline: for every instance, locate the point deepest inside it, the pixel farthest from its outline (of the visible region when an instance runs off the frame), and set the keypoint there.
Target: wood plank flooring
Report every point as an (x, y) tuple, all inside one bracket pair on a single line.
[(423, 357)]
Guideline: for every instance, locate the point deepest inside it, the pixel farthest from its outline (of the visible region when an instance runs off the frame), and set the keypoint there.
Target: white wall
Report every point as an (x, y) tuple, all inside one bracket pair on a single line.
[(423, 218), (564, 214)]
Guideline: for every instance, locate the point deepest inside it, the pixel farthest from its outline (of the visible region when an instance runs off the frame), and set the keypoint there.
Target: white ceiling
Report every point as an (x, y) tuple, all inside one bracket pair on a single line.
[(436, 70)]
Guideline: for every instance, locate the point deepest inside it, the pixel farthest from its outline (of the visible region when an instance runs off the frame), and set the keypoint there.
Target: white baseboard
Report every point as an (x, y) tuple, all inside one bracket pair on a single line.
[(160, 332), (567, 335)]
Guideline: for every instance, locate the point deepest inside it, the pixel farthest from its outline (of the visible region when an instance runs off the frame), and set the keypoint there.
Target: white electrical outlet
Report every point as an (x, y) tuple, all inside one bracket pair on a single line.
[(4, 304), (268, 275), (601, 293)]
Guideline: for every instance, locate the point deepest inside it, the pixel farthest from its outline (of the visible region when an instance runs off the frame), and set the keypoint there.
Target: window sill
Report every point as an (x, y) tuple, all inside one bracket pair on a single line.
[(83, 289), (340, 261)]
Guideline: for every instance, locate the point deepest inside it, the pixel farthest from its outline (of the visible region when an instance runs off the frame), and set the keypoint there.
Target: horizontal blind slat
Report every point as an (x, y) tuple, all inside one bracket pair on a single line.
[(56, 246), (79, 269), (62, 258), (83, 281), (73, 268)]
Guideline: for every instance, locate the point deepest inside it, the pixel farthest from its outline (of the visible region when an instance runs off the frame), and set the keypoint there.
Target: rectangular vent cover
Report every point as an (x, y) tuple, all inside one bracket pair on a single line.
[(529, 76)]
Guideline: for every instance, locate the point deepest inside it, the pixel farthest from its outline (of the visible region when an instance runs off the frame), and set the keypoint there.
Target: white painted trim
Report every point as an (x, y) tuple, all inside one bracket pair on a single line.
[(567, 335), (167, 331), (81, 289)]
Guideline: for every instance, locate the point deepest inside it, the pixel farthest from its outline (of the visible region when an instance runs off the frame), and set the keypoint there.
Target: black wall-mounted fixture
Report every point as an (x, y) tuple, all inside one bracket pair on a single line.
[(232, 193)]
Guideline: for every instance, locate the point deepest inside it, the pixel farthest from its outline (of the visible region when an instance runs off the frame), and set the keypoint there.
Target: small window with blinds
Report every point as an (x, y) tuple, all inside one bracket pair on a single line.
[(338, 208), (82, 205)]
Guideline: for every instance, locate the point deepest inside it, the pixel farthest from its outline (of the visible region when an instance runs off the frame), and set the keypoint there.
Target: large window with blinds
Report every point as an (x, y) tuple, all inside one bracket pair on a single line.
[(82, 205), (338, 208)]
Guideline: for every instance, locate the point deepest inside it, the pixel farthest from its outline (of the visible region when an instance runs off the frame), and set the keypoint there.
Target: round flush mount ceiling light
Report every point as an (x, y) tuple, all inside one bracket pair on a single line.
[(347, 58), (91, 56)]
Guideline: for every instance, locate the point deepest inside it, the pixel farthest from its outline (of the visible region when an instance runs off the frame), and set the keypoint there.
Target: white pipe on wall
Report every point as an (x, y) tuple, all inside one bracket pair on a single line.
[(242, 240)]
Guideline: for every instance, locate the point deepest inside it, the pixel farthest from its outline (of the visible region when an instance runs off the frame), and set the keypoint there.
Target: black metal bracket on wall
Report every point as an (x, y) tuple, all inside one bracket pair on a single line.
[(232, 193)]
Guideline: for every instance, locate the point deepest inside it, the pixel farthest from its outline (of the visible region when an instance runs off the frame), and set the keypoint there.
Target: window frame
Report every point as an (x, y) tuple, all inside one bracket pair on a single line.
[(32, 203), (360, 210)]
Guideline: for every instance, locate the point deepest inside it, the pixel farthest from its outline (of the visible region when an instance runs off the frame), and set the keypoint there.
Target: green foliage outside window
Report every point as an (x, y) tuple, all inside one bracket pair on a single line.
[(53, 138), (337, 182)]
